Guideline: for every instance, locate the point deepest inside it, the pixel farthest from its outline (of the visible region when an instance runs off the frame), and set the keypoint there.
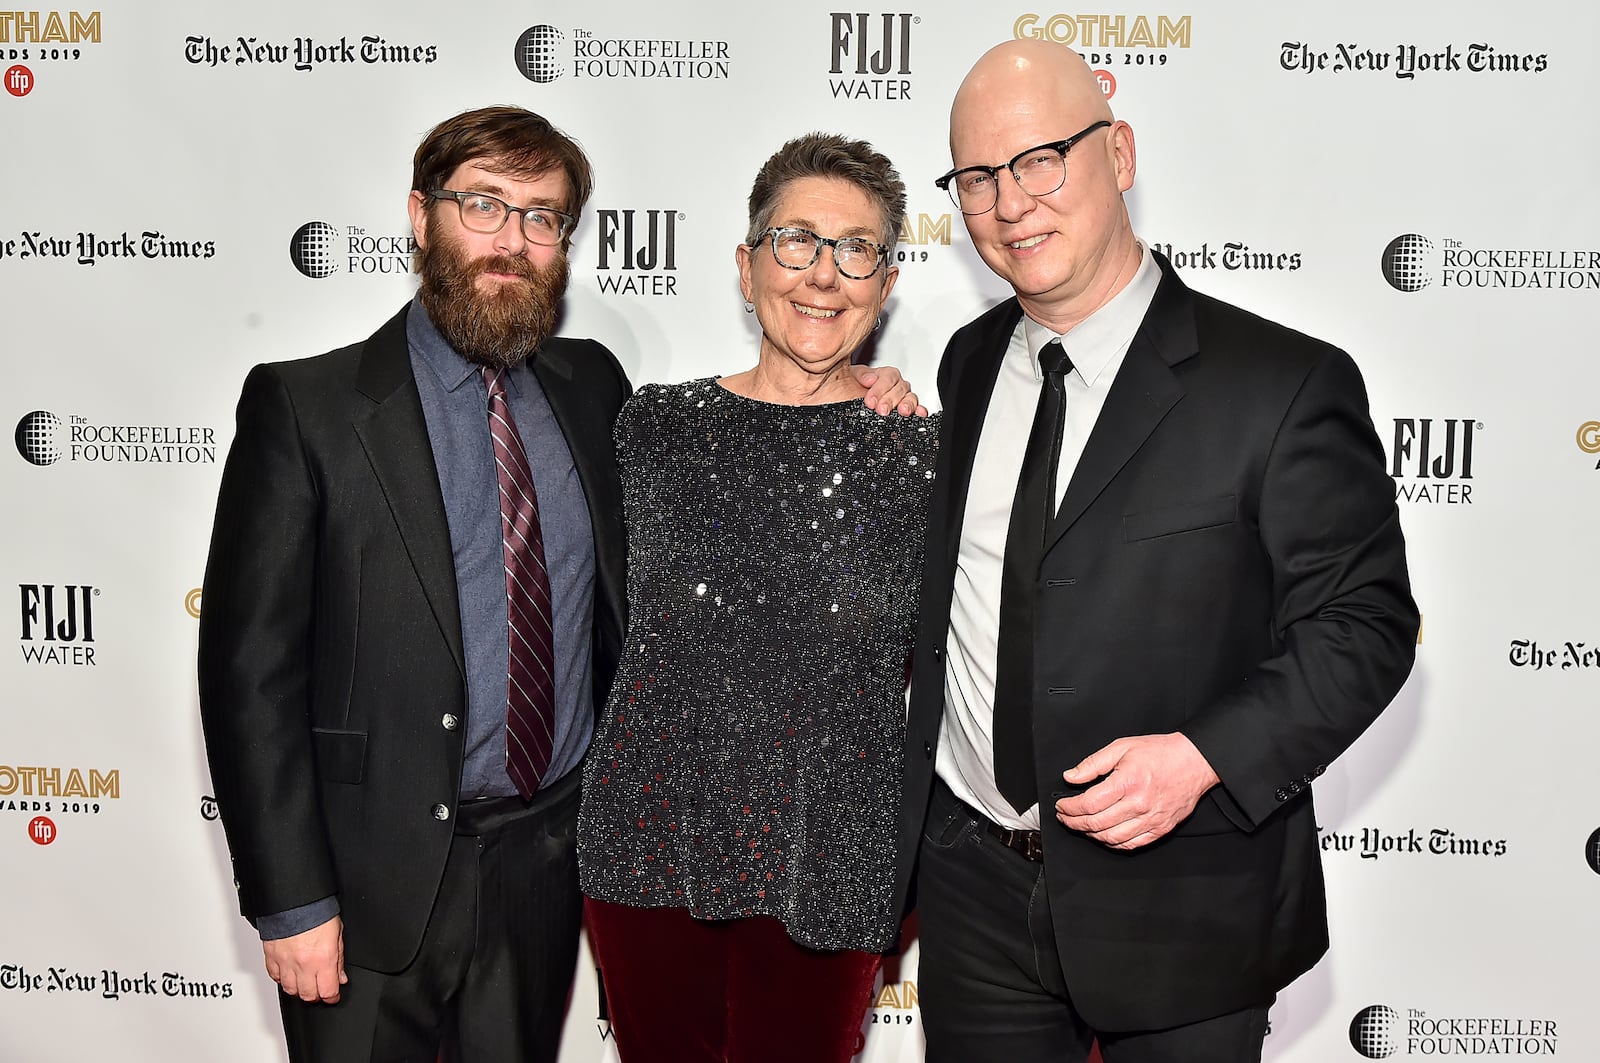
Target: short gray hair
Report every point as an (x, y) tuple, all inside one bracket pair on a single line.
[(835, 156)]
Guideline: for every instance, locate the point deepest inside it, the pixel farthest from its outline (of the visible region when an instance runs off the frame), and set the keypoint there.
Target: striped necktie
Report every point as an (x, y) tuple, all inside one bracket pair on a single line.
[(530, 679)]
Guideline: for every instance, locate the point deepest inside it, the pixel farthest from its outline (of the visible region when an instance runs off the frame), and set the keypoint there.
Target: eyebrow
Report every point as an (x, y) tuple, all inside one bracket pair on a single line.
[(854, 231), (491, 189)]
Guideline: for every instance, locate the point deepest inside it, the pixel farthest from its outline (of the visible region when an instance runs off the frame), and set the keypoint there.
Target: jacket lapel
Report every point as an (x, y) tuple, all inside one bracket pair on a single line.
[(394, 435), (1144, 392)]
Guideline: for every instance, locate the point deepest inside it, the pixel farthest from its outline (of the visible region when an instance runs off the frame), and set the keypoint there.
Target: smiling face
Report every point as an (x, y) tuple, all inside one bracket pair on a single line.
[(494, 296), (814, 319), (1064, 253)]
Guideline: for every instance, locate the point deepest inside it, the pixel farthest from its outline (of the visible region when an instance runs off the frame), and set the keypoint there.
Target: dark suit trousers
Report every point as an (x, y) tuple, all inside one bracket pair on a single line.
[(991, 986), (490, 982)]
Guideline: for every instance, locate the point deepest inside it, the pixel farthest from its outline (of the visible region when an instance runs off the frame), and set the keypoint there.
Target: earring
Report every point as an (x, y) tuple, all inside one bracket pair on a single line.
[(749, 307)]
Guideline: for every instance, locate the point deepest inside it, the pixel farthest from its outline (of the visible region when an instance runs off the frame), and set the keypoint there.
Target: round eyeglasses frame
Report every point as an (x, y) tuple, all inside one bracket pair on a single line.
[(818, 242), (948, 182), (541, 237)]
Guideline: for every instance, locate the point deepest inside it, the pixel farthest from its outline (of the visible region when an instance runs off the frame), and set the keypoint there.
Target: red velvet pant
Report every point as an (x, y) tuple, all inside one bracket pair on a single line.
[(681, 990)]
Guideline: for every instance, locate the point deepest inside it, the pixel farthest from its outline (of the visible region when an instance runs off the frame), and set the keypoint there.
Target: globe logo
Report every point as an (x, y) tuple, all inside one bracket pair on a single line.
[(1405, 262), (311, 249), (38, 437), (1591, 852), (536, 54), (1372, 1031)]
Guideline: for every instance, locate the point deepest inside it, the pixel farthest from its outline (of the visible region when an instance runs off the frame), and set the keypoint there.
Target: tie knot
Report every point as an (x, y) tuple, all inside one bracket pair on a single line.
[(1053, 359), (492, 379)]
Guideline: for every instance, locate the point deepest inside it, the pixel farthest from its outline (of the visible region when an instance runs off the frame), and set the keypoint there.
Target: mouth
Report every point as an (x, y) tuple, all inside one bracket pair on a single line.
[(819, 312), (1032, 241)]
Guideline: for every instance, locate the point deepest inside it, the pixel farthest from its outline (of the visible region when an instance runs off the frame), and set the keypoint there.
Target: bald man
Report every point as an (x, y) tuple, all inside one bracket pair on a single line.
[(1165, 588)]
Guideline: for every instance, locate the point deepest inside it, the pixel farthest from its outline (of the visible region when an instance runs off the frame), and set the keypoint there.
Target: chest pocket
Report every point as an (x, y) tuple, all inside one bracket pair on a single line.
[(1175, 520)]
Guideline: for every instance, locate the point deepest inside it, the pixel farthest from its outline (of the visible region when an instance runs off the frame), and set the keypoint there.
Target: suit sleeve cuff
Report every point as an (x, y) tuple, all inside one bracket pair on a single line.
[(296, 920)]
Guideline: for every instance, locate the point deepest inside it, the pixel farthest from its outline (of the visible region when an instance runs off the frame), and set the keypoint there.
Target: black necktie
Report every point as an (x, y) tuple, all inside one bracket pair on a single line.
[(1019, 585)]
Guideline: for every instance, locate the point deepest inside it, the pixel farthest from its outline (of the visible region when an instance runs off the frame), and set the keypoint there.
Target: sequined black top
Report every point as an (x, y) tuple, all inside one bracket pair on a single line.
[(749, 759)]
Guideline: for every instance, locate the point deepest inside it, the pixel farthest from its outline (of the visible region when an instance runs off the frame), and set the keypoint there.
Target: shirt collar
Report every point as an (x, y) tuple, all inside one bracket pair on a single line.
[(443, 360), (1097, 339)]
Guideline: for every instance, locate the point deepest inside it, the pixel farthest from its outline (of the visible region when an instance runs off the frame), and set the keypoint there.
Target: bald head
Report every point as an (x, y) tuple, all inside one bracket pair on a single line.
[(1065, 251), (1039, 76)]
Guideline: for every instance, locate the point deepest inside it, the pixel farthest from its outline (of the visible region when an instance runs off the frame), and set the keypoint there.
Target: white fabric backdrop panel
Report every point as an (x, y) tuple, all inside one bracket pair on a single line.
[(193, 188)]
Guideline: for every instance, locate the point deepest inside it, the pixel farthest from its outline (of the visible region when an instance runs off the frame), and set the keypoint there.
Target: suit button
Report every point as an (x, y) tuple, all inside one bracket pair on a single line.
[(1281, 794), (927, 750), (441, 812), (1294, 786), (449, 721), (938, 653)]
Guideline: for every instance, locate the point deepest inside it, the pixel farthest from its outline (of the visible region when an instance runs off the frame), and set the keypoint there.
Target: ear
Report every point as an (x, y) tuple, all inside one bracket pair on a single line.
[(741, 255), (890, 275), (417, 207), (1124, 158)]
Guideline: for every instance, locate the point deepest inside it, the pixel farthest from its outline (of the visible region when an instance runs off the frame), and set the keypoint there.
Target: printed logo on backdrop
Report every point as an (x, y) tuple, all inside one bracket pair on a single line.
[(894, 1005), (1382, 1032), (34, 41), (320, 249), (208, 808), (1591, 852), (1230, 256), (1373, 843), (1406, 61), (46, 438), (58, 624), (918, 233), (1589, 438), (191, 602), (1560, 656), (1430, 459), (92, 249), (546, 53), (1411, 262), (306, 54), (870, 55), (109, 984), (51, 796), (1114, 44), (638, 251)]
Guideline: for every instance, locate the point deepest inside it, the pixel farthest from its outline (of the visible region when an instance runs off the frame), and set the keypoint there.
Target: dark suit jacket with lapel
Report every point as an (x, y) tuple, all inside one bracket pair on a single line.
[(330, 638), (1227, 562)]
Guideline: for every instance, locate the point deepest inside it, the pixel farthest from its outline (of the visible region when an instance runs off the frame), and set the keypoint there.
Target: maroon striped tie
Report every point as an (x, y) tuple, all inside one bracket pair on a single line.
[(530, 680)]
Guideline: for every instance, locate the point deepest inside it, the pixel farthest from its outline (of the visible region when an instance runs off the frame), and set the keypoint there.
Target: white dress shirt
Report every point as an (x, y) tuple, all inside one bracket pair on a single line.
[(1097, 346)]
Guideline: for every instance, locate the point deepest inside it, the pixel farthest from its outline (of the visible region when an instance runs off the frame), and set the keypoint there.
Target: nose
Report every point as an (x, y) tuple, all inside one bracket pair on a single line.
[(511, 239), (1011, 202), (824, 272)]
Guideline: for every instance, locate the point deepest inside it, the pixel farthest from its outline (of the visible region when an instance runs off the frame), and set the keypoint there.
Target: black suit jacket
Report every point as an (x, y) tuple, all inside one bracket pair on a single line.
[(330, 636), (1227, 562)]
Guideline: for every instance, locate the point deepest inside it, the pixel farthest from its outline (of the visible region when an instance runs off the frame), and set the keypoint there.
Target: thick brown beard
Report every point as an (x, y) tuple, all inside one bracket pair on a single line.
[(497, 328)]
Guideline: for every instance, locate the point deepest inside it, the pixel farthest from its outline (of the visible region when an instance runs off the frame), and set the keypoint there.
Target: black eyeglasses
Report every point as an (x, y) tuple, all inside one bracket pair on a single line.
[(856, 257), (1039, 171), (486, 214)]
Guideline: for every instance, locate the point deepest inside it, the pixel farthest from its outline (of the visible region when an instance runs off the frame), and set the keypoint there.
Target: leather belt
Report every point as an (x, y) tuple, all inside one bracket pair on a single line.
[(1030, 843)]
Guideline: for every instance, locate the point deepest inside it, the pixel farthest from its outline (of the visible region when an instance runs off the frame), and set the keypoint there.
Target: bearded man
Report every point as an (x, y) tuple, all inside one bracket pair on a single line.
[(414, 607)]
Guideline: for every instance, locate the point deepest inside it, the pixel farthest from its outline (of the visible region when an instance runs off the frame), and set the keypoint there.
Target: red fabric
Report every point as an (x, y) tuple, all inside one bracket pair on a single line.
[(681, 990)]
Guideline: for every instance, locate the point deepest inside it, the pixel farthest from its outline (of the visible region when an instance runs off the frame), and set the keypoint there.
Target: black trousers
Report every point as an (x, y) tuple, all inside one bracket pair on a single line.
[(990, 981), (490, 982)]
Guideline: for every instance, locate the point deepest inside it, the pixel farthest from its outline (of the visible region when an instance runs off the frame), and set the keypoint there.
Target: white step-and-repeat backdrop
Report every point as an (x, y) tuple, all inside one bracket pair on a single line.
[(193, 187)]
